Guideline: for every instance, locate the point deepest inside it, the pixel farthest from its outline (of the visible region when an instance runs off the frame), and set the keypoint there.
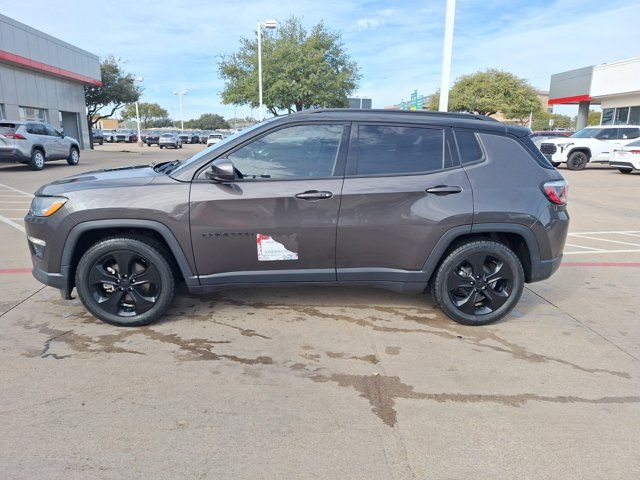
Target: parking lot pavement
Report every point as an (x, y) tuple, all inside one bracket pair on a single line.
[(331, 383)]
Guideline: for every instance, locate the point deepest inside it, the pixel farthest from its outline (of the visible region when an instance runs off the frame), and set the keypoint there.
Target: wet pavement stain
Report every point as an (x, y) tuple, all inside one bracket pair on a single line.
[(432, 323), (371, 358), (382, 391), (243, 331), (392, 350)]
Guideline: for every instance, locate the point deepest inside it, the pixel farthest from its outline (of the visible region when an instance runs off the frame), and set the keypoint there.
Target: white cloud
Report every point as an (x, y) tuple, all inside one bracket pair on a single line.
[(369, 23)]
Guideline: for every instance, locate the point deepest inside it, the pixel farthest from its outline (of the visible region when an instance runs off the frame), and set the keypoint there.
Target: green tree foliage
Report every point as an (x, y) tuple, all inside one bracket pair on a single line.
[(300, 69), (594, 118), (541, 121), (148, 112), (118, 89), (160, 122), (207, 121), (489, 92)]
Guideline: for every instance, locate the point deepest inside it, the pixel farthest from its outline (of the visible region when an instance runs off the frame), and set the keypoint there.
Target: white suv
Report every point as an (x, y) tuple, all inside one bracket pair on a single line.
[(591, 144)]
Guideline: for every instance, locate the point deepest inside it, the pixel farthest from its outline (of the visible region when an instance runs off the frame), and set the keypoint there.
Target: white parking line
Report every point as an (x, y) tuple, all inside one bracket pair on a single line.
[(587, 248), (601, 236), (11, 223), (608, 240), (7, 187), (601, 252)]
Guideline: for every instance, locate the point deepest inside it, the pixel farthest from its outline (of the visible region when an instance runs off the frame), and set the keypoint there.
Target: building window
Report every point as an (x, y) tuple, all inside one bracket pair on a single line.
[(33, 114), (634, 116), (622, 116), (607, 116), (3, 115)]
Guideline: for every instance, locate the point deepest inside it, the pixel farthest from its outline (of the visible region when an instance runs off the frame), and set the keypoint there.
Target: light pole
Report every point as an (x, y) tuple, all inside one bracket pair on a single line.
[(270, 24), (180, 93), (446, 55), (140, 80)]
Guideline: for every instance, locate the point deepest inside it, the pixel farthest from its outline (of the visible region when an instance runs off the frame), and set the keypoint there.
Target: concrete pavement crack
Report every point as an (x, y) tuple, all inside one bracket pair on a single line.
[(608, 340)]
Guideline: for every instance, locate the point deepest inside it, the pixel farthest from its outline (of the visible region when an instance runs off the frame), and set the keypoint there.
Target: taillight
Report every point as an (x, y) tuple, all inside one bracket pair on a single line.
[(15, 136), (637, 152), (556, 191)]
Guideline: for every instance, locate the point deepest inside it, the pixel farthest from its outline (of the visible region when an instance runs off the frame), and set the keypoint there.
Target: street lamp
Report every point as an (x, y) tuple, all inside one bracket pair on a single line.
[(180, 93), (140, 80), (270, 24)]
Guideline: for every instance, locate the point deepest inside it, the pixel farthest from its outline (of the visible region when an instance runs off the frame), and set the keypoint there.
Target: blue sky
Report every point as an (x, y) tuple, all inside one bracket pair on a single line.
[(398, 44)]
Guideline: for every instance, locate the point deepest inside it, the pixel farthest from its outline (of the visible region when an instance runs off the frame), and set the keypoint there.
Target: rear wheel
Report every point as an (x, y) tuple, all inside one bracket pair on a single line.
[(478, 283), (577, 161), (37, 160), (74, 156), (125, 281), (625, 170)]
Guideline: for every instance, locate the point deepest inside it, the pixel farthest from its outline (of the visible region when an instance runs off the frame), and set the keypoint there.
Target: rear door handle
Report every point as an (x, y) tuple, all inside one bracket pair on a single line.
[(314, 195), (443, 190)]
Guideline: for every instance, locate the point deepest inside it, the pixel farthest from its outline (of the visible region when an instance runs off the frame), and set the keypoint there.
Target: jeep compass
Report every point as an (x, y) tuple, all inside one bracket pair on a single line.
[(458, 205)]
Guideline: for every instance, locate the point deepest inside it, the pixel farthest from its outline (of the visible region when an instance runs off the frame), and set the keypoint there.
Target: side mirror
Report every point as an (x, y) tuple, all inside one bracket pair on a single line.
[(222, 170)]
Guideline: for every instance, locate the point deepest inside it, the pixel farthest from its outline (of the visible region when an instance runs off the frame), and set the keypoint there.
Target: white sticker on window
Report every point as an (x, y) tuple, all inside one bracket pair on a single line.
[(269, 250)]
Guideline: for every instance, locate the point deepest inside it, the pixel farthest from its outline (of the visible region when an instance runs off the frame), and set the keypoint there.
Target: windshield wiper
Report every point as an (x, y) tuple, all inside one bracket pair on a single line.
[(167, 167)]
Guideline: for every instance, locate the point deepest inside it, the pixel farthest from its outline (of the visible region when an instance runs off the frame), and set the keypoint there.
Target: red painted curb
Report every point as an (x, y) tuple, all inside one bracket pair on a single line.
[(15, 270)]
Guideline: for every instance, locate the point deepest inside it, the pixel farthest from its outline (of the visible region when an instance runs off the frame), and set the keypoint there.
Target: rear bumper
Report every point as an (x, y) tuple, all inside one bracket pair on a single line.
[(621, 164), (543, 269), (14, 155)]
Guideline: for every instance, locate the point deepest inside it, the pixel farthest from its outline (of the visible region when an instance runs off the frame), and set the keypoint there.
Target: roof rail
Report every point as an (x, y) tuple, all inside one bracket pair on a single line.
[(432, 113)]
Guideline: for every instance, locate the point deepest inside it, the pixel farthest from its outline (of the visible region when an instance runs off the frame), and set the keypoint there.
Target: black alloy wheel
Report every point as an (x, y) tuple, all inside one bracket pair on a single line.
[(478, 283), (577, 161), (125, 281)]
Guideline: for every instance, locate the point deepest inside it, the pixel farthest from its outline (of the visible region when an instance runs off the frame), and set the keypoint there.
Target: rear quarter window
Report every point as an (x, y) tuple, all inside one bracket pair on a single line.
[(514, 149), (8, 128), (469, 147)]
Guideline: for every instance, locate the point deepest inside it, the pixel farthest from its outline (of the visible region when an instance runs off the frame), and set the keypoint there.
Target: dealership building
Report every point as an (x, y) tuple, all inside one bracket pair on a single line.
[(614, 86), (43, 78)]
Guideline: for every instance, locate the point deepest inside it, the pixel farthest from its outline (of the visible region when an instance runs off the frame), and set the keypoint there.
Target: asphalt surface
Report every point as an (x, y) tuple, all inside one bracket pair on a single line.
[(325, 382)]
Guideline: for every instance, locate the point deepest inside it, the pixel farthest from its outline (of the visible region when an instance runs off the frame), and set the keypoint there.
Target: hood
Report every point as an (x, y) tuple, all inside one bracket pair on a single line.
[(107, 178)]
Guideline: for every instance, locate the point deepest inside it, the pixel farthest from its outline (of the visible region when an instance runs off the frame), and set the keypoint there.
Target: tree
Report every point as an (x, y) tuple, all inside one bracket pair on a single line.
[(594, 118), (148, 112), (160, 122), (490, 92), (541, 121), (207, 121), (118, 88), (300, 70)]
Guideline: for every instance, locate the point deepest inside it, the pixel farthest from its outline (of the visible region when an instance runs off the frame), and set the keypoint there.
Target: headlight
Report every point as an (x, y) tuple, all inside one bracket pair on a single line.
[(46, 206), (565, 146)]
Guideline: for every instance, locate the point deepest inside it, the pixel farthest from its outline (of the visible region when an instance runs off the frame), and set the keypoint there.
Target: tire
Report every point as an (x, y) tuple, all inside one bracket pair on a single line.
[(625, 170), (37, 159), (180, 146), (555, 164), (74, 156), (148, 145), (101, 142), (577, 161), (456, 283), (160, 147), (105, 281)]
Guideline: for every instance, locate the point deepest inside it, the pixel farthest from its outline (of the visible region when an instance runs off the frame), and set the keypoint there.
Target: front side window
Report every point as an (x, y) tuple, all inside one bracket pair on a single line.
[(608, 134), (301, 151), (52, 131), (379, 150)]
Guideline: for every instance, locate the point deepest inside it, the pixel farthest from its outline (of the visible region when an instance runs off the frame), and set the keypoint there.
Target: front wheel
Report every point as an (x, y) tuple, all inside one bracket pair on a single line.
[(478, 283), (125, 281), (577, 161), (625, 170), (74, 156)]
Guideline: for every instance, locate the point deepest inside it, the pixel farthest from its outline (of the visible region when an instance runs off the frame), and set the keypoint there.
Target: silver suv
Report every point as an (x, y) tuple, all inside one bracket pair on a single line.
[(34, 143), (170, 140)]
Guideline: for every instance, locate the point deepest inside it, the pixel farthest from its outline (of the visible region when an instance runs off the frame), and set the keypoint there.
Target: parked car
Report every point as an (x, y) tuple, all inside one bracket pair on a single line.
[(97, 136), (459, 205), (35, 143), (109, 135), (143, 135), (170, 140), (591, 144), (189, 137), (214, 138), (540, 136), (627, 158), (127, 136), (152, 138)]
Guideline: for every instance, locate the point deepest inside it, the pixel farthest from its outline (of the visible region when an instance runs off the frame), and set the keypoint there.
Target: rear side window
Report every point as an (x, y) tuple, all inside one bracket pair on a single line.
[(9, 128), (469, 147), (379, 150), (37, 129), (630, 133)]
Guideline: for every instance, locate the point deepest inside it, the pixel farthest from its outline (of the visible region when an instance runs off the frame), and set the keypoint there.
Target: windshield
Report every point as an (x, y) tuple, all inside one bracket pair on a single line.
[(587, 133), (220, 145)]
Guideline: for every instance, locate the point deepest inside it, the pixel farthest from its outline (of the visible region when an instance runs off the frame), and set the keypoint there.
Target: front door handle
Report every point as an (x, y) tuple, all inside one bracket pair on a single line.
[(444, 190), (314, 195)]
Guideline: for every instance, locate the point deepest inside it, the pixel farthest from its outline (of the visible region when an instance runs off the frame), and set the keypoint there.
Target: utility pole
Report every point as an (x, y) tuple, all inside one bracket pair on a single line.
[(447, 51)]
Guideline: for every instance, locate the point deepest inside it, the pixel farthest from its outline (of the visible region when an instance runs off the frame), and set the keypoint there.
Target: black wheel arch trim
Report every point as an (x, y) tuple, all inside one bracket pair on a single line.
[(586, 150), (161, 229)]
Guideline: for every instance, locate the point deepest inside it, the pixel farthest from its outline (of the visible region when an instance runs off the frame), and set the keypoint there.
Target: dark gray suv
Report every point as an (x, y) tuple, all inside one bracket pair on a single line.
[(457, 204)]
